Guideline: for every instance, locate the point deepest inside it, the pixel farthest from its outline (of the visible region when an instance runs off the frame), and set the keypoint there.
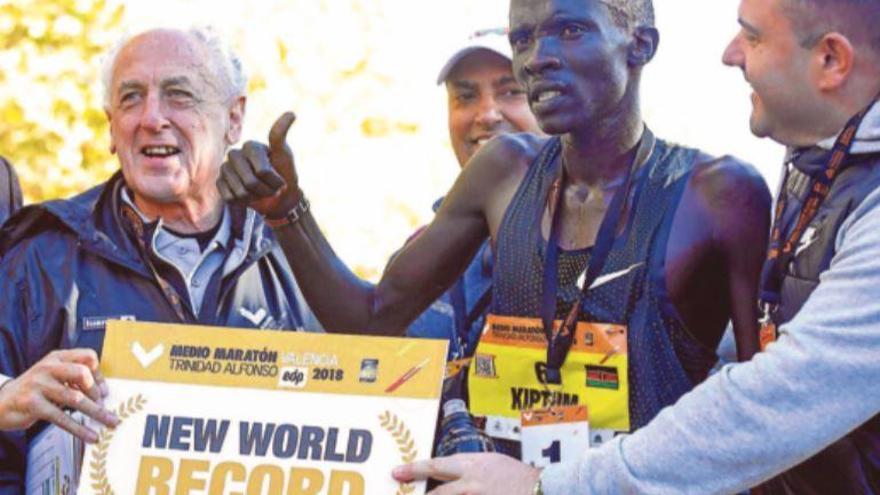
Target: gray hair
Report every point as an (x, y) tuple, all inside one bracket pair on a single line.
[(226, 62), (629, 14), (855, 19)]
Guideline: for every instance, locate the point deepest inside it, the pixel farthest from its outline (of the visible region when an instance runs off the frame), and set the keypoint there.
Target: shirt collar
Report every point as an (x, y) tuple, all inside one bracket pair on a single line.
[(164, 238)]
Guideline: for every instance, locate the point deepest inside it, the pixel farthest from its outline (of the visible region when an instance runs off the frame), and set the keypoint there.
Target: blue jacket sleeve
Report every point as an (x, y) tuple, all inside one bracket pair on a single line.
[(31, 325), (13, 321)]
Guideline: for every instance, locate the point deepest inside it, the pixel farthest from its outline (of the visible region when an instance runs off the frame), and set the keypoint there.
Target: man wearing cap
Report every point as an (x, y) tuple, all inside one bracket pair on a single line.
[(484, 100), (619, 259)]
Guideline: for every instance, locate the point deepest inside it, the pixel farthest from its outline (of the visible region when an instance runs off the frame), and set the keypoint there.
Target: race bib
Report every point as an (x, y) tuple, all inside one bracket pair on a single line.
[(554, 435), (508, 373)]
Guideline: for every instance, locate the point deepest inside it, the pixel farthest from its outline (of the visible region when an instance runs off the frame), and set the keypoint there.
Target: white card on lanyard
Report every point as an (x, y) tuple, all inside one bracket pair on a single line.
[(554, 435)]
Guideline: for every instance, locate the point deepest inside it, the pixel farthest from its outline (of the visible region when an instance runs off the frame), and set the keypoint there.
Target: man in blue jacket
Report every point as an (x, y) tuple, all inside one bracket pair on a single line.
[(154, 243)]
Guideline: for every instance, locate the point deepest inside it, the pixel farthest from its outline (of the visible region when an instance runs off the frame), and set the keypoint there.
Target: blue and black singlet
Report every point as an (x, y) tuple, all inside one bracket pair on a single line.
[(665, 360)]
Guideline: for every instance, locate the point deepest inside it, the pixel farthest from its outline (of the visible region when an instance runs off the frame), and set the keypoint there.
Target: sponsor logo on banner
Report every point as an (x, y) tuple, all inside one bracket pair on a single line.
[(146, 358), (293, 377), (405, 377), (369, 371)]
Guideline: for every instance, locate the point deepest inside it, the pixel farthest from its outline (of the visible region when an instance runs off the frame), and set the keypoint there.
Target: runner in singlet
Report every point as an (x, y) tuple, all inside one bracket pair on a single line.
[(665, 359), (698, 226)]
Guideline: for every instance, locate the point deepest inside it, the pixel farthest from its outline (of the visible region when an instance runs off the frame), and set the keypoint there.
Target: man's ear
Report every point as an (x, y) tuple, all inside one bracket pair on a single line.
[(643, 46), (834, 58), (110, 121), (236, 119)]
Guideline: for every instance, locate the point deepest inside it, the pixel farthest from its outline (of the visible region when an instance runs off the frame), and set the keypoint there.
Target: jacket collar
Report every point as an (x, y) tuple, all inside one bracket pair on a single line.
[(867, 136), (810, 160), (160, 237), (240, 233), (96, 218)]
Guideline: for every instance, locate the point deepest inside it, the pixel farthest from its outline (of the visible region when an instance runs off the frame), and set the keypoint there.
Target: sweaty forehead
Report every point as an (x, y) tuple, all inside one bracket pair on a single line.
[(160, 55), (534, 12)]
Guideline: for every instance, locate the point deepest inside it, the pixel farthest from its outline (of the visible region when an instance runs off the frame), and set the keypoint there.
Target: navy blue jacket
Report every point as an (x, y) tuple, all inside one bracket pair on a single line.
[(69, 265), (10, 190)]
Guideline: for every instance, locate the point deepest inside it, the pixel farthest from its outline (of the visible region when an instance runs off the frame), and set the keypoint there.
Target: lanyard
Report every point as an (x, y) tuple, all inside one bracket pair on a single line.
[(782, 250), (135, 225), (559, 342)]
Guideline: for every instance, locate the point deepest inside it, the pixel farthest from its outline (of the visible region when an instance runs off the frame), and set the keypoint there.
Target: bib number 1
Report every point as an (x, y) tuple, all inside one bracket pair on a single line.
[(553, 453), (554, 435)]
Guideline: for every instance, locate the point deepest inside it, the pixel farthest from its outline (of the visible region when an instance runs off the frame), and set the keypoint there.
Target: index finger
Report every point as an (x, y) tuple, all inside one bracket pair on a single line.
[(278, 133), (86, 357), (439, 468)]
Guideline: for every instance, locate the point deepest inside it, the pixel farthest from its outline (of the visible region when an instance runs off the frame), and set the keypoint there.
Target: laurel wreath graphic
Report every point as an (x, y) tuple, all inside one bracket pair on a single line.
[(405, 444), (98, 472)]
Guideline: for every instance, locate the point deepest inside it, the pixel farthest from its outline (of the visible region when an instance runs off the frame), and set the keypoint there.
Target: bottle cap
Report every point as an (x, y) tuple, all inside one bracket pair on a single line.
[(453, 406)]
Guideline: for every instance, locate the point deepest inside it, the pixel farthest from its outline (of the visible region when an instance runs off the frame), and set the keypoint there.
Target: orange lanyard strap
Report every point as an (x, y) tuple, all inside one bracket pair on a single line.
[(781, 250)]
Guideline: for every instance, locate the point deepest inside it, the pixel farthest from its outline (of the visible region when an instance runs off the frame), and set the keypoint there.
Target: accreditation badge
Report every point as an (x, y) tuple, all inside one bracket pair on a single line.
[(508, 374), (767, 334), (218, 411)]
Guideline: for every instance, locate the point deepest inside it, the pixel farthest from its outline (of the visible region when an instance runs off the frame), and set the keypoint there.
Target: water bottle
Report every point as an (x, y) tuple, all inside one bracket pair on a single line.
[(458, 434)]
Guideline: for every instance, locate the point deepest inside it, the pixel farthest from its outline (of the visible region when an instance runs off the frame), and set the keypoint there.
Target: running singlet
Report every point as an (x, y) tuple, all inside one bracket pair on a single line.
[(662, 360)]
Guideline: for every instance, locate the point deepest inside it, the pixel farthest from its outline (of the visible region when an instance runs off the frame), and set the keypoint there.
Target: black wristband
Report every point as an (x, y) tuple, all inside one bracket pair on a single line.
[(292, 216)]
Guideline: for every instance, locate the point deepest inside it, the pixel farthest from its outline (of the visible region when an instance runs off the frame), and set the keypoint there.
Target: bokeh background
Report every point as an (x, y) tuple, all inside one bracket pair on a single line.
[(370, 139)]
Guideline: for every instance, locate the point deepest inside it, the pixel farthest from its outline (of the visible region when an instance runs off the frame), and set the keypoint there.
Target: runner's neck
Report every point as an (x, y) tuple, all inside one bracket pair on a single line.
[(602, 158)]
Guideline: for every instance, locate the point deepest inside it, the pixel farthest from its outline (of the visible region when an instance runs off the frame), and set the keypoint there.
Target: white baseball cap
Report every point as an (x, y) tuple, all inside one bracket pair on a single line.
[(494, 40)]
